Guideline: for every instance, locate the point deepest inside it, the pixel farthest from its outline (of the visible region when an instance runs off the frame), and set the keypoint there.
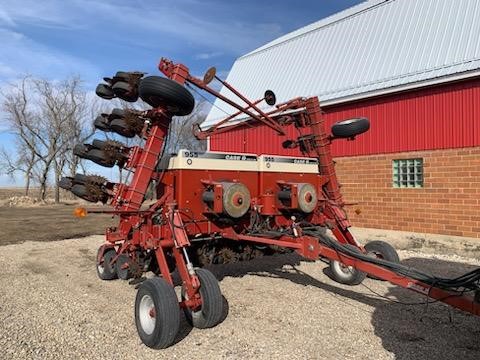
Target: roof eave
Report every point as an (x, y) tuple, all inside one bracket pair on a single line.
[(388, 91), (405, 87)]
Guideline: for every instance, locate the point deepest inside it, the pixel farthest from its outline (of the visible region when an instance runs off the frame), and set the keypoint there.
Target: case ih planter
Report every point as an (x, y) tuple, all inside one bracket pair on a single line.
[(222, 207)]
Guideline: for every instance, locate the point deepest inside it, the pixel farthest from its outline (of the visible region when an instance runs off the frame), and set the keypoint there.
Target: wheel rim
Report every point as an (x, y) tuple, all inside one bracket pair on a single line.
[(147, 314), (375, 254), (344, 269), (100, 268)]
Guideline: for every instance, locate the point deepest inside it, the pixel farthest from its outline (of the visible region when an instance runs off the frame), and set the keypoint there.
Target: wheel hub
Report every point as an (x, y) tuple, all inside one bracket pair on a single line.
[(101, 269), (152, 312), (147, 314), (345, 269)]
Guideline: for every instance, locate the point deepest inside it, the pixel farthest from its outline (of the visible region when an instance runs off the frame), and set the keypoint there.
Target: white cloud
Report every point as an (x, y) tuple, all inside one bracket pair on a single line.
[(147, 22), (189, 26), (5, 18), (21, 55), (44, 13), (185, 23), (235, 37)]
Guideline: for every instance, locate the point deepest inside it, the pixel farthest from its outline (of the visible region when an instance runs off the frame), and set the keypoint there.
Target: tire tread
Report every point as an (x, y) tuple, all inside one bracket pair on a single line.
[(153, 88), (166, 304), (212, 302)]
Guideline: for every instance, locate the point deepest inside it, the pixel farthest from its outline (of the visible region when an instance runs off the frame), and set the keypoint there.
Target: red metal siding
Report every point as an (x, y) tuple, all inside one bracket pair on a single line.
[(440, 117), (233, 140)]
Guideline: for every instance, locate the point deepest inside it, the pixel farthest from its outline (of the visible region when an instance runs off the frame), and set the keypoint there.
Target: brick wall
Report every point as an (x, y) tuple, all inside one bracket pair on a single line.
[(449, 202)]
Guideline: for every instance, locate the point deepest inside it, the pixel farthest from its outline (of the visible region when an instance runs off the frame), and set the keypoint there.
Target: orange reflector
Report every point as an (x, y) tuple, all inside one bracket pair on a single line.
[(358, 211), (80, 212)]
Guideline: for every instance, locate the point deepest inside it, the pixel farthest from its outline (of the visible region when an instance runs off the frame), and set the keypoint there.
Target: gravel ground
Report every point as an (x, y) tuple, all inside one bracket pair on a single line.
[(53, 306)]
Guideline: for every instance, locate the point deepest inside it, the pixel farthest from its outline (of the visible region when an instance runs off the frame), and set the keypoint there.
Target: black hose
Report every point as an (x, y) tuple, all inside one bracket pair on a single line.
[(468, 281)]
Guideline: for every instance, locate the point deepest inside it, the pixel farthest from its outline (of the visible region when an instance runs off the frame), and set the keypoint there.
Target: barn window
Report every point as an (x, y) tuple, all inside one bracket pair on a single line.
[(407, 173)]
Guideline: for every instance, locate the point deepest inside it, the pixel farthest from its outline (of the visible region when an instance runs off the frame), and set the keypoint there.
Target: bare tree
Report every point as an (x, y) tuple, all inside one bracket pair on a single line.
[(24, 162), (64, 106), (82, 130), (22, 124), (47, 118), (180, 135)]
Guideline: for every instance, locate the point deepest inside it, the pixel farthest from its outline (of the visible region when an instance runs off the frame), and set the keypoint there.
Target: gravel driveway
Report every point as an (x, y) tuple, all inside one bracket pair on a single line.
[(53, 306)]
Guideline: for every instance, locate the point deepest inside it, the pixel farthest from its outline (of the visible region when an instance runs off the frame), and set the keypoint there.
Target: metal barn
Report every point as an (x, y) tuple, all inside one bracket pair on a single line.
[(413, 68)]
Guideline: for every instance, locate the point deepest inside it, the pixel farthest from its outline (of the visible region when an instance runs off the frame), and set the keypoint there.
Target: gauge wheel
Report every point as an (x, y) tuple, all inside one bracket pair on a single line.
[(347, 275), (125, 91), (122, 265), (104, 91), (80, 150), (99, 157), (382, 250), (101, 123), (105, 270), (65, 183), (157, 314), (210, 312), (121, 127)]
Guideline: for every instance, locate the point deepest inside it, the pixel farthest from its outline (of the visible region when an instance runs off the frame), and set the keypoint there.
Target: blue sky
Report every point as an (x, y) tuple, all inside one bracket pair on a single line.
[(95, 38)]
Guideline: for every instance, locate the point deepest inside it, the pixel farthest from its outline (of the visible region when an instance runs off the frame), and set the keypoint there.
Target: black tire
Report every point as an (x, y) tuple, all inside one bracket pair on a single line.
[(126, 273), (92, 179), (158, 297), (65, 183), (211, 311), (382, 250), (121, 88), (80, 150), (120, 127), (101, 123), (109, 144), (104, 91), (79, 190), (105, 271), (159, 91), (98, 144), (117, 113), (99, 157), (128, 76), (80, 178), (123, 76), (350, 128), (125, 91), (130, 98), (347, 275)]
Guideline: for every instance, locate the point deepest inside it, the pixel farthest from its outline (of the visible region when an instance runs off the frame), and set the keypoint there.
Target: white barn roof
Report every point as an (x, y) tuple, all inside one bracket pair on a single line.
[(376, 47)]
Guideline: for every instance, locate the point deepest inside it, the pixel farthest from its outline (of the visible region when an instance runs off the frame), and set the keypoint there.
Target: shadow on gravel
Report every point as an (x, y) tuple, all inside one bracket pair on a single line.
[(415, 331), (434, 331), (186, 327)]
